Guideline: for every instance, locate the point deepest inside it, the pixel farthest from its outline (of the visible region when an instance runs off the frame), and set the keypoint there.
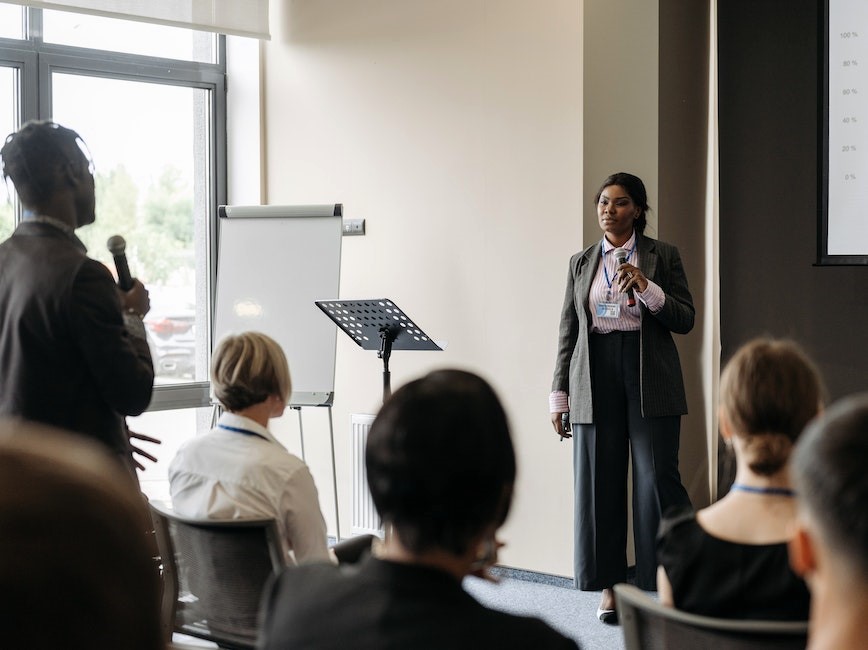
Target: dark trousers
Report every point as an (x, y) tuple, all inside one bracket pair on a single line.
[(600, 465)]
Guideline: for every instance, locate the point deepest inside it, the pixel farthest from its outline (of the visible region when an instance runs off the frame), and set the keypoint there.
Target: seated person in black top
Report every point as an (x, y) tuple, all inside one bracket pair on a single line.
[(441, 469), (730, 560), (830, 546)]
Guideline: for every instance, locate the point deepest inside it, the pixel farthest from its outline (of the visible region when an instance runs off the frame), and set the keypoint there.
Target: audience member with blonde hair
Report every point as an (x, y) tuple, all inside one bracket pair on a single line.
[(830, 546), (239, 470), (77, 567), (730, 560)]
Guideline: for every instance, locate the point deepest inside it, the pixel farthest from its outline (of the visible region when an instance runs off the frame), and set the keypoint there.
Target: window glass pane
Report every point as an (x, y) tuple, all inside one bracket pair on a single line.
[(150, 150), (9, 85), (128, 36), (172, 428), (11, 21)]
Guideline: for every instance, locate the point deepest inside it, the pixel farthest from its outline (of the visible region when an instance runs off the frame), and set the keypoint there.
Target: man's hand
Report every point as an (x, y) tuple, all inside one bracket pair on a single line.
[(136, 299), (141, 452)]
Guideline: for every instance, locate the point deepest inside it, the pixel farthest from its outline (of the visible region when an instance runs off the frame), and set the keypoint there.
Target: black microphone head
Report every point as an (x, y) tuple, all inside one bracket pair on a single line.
[(117, 245), (620, 255)]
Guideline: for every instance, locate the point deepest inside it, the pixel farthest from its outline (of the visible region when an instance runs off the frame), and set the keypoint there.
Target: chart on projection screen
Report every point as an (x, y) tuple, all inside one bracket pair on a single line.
[(847, 74)]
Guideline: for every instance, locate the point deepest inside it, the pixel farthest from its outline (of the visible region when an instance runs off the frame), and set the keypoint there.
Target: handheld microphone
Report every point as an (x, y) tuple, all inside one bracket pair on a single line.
[(621, 258), (117, 246)]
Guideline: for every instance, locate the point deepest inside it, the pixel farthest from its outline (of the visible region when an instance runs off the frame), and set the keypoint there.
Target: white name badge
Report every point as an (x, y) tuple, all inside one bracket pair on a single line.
[(608, 310)]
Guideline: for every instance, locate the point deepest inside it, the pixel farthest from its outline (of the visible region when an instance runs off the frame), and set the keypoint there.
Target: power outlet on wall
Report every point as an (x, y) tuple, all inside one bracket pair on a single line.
[(354, 227)]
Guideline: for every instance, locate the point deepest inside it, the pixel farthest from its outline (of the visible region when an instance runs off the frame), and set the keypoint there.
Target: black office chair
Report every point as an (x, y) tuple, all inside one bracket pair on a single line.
[(648, 625), (214, 573)]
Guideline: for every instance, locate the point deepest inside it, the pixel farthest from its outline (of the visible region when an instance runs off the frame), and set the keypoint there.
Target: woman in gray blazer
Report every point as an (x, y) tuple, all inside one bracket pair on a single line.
[(618, 377)]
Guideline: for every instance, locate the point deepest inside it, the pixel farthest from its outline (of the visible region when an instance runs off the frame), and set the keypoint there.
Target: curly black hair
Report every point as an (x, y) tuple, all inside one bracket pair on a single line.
[(32, 155)]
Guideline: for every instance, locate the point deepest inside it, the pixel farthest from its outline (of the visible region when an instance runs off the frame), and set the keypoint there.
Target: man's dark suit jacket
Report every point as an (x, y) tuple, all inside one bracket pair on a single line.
[(382, 605), (66, 357), (662, 385)]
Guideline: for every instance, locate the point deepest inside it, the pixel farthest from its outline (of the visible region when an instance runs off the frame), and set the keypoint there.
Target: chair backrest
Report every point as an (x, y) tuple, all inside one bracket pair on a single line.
[(214, 573), (649, 625)]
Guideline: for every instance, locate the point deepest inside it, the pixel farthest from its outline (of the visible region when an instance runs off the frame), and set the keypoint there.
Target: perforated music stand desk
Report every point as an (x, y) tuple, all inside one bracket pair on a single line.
[(377, 324)]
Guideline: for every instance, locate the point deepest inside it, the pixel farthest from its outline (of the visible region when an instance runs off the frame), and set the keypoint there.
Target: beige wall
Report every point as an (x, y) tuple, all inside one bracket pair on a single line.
[(620, 120), (645, 112), (455, 128)]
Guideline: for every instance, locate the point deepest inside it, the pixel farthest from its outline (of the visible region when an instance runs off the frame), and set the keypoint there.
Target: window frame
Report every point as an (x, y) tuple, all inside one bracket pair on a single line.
[(35, 61)]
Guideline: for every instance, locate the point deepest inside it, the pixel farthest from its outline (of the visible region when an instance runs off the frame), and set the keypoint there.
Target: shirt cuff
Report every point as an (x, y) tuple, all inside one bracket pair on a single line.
[(559, 402), (135, 326), (653, 297)]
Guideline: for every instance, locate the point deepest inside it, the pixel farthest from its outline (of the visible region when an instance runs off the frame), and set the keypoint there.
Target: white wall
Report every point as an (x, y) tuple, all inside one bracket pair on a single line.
[(455, 129)]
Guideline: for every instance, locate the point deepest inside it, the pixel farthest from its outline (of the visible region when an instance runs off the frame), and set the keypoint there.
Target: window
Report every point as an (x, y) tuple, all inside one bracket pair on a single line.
[(11, 21), (147, 144), (157, 136)]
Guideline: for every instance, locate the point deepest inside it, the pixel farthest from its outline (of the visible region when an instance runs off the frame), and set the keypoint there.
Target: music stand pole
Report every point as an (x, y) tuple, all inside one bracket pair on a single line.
[(387, 335)]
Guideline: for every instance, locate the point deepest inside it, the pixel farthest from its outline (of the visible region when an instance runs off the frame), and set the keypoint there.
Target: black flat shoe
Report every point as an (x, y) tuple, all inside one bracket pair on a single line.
[(608, 616)]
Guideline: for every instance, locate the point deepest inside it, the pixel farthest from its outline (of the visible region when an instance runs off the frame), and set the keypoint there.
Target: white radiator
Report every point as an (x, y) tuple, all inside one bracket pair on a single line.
[(365, 518)]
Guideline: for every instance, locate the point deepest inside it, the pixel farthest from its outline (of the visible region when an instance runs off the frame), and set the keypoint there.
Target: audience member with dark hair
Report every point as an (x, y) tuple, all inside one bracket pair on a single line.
[(77, 568), (730, 560), (239, 470), (830, 546), (73, 350), (441, 469)]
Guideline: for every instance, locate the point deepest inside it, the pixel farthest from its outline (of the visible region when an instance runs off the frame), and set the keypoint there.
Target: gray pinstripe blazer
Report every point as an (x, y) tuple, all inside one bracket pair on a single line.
[(662, 386)]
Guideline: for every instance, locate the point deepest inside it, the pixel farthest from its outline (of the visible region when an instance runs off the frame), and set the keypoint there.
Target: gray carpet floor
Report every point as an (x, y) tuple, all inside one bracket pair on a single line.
[(570, 611), (553, 599)]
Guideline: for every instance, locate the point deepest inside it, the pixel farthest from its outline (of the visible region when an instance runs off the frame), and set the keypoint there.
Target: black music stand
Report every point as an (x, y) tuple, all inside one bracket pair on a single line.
[(377, 324)]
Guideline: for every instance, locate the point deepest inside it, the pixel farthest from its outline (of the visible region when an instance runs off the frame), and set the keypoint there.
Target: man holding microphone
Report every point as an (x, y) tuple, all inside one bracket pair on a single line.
[(73, 350)]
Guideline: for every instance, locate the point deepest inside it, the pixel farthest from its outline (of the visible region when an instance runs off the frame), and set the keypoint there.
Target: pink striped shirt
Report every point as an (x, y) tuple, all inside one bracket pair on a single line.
[(628, 319)]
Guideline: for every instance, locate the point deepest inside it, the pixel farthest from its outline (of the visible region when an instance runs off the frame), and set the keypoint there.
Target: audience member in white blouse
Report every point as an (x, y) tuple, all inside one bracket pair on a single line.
[(239, 470)]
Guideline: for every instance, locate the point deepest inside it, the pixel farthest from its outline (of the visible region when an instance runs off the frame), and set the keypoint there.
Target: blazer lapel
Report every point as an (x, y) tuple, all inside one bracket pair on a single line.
[(647, 256), (587, 267)]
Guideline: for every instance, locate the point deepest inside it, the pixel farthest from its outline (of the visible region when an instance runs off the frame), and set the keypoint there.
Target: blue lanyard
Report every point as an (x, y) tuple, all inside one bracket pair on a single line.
[(246, 432), (605, 270), (776, 491)]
